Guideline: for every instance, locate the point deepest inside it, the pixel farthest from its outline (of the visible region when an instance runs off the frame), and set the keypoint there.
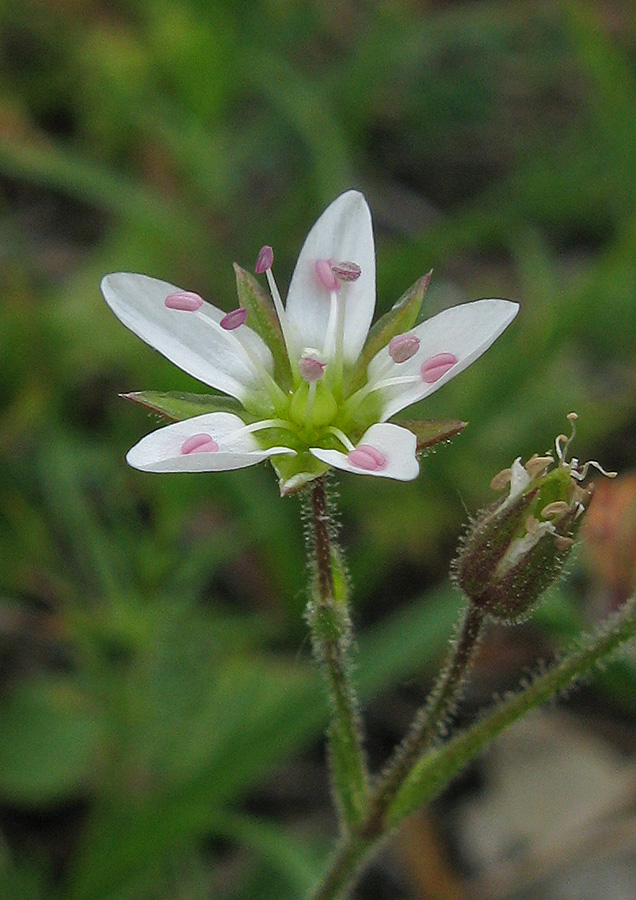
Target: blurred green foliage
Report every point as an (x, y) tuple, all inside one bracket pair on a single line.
[(152, 647)]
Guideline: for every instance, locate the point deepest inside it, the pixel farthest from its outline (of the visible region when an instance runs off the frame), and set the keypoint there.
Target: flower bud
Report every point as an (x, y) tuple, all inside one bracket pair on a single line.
[(515, 549)]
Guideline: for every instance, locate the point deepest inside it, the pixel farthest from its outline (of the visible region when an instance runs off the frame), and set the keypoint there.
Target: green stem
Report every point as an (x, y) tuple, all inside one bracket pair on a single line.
[(328, 617), (433, 772), (343, 867), (428, 720)]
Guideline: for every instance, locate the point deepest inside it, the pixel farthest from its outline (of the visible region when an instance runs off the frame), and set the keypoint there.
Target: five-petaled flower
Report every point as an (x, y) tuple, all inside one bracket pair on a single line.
[(310, 385)]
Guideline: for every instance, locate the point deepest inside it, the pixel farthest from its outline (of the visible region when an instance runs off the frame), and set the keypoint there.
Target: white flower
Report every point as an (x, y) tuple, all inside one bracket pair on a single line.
[(312, 387)]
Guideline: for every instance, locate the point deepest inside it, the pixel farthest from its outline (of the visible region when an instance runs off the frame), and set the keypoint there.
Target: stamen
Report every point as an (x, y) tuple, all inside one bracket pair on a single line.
[(537, 465), (326, 275), (368, 458), (342, 437), (501, 480), (311, 369), (199, 443), (434, 368), (403, 346), (280, 311), (532, 526), (555, 509), (185, 300), (265, 260), (261, 426), (234, 319), (330, 346), (346, 271)]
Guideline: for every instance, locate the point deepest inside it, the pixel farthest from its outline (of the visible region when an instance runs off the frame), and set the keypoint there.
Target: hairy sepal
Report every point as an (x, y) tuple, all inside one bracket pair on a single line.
[(262, 319), (175, 406), (433, 431)]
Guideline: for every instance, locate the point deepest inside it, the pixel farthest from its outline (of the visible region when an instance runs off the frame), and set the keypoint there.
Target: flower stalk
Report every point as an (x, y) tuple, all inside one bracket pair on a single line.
[(330, 624), (430, 719)]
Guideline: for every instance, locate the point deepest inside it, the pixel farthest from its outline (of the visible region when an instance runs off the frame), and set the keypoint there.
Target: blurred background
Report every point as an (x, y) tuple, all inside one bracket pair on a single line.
[(160, 719)]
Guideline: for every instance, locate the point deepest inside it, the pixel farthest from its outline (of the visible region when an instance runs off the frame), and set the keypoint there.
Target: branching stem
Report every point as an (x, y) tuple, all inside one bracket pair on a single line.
[(433, 770)]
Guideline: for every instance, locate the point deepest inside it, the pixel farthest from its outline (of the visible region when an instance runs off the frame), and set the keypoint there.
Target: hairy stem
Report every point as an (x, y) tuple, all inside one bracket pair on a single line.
[(328, 617), (434, 770), (429, 718)]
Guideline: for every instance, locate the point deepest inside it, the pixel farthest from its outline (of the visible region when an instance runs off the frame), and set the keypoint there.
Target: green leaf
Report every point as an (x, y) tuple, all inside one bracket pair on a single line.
[(432, 431), (176, 406), (48, 742), (400, 318), (262, 318), (294, 858), (254, 714), (21, 879)]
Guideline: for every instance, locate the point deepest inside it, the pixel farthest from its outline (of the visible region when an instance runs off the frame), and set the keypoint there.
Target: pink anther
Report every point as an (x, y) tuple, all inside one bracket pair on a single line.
[(186, 300), (199, 443), (436, 366), (234, 319), (265, 260), (311, 369), (403, 347), (368, 458), (325, 274), (346, 271)]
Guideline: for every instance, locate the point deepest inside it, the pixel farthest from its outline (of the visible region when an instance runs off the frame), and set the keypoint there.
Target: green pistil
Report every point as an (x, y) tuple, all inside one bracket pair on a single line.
[(313, 406)]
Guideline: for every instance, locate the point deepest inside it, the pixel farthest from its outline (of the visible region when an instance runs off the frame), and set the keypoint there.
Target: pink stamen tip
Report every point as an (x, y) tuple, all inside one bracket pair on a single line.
[(368, 458), (325, 275), (403, 347), (311, 369), (436, 366), (265, 260), (186, 300), (234, 319), (346, 271), (199, 443)]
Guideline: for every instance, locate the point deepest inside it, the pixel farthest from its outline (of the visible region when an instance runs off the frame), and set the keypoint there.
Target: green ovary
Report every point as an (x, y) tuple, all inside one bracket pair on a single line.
[(313, 406), (555, 486)]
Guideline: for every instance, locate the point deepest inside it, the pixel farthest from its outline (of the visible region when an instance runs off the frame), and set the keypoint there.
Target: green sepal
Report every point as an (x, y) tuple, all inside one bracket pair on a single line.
[(433, 431), (263, 320), (176, 406), (487, 542), (295, 472), (399, 319)]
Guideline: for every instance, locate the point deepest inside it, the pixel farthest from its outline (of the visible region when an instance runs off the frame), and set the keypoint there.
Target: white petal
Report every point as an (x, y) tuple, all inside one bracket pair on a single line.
[(396, 444), (519, 479), (342, 233), (466, 331), (189, 339), (160, 451)]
